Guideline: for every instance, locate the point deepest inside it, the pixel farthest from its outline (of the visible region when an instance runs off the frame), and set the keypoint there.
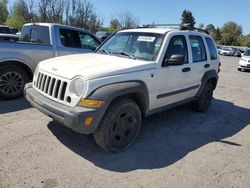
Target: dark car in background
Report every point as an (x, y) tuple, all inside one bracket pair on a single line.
[(8, 30), (102, 35), (4, 29), (9, 37)]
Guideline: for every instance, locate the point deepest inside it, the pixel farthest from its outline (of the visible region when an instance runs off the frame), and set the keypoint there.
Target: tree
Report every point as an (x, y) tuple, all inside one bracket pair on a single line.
[(217, 35), (201, 26), (51, 10), (125, 20), (82, 14), (187, 18), (3, 11), (210, 28), (230, 33), (244, 40), (115, 25), (17, 19)]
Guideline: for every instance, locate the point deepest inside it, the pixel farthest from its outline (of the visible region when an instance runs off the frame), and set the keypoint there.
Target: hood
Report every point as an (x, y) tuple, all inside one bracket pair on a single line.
[(246, 57), (92, 65)]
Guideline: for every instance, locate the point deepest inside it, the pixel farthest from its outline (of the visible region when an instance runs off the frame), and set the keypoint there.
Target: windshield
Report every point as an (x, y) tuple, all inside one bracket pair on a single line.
[(226, 49), (135, 45), (247, 52)]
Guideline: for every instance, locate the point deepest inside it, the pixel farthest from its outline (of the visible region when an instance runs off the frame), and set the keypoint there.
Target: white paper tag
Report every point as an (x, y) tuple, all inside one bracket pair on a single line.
[(146, 39)]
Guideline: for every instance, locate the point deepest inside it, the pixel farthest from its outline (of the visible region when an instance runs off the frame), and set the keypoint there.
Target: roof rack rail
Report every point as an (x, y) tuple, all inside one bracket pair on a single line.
[(186, 26), (160, 25)]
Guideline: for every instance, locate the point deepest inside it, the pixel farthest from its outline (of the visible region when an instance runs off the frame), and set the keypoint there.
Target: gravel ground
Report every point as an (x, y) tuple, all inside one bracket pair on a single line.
[(176, 148)]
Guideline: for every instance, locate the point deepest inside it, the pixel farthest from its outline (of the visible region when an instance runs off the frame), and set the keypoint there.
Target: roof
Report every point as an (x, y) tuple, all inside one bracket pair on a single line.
[(53, 24), (149, 30)]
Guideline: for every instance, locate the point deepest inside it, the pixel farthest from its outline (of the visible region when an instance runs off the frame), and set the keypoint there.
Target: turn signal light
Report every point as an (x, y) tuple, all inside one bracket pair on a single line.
[(90, 103), (88, 121)]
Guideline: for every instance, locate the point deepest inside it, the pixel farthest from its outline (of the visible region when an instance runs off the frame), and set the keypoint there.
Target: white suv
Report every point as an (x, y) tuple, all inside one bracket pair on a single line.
[(244, 63), (134, 74)]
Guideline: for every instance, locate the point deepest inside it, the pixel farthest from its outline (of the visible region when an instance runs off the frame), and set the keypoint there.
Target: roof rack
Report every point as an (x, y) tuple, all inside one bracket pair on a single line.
[(186, 26)]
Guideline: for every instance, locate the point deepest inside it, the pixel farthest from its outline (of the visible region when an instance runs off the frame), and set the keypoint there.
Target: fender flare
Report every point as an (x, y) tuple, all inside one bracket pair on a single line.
[(211, 74), (110, 92)]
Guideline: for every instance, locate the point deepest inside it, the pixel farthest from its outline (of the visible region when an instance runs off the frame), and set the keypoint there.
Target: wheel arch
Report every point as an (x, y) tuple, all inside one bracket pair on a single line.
[(209, 76), (135, 90), (19, 64)]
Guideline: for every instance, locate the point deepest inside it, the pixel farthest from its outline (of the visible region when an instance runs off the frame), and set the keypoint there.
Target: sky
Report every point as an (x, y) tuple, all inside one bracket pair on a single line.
[(216, 12)]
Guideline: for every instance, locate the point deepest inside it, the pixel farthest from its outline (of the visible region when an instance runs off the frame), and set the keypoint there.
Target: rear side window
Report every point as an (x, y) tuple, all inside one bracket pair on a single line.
[(35, 34), (70, 38), (177, 46), (198, 49), (212, 49)]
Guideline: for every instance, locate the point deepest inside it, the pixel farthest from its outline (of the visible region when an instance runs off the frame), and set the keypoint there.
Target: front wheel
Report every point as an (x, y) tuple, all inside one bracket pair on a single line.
[(119, 126), (203, 102), (12, 81)]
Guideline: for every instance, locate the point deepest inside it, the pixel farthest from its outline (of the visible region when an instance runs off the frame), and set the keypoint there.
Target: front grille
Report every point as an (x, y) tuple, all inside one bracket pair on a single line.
[(51, 86)]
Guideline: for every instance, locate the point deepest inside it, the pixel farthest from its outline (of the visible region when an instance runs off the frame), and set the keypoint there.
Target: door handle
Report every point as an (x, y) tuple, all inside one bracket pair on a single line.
[(206, 65), (187, 69)]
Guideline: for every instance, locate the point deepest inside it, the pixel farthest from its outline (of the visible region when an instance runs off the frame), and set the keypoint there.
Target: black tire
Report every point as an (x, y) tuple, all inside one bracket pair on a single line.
[(12, 81), (239, 69), (203, 102), (119, 126)]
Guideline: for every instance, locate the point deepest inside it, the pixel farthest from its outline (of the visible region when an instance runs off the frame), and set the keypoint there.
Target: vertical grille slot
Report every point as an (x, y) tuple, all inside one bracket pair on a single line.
[(38, 79), (57, 88), (62, 95), (47, 84), (53, 87), (43, 82)]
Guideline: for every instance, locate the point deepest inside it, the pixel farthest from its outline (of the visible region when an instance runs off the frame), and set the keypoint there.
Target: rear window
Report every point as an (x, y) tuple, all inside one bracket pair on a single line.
[(35, 34), (212, 49)]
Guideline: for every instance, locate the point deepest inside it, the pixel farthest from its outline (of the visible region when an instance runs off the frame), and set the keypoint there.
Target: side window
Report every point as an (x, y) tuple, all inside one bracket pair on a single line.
[(70, 38), (212, 49), (35, 34), (198, 49), (177, 46), (88, 42)]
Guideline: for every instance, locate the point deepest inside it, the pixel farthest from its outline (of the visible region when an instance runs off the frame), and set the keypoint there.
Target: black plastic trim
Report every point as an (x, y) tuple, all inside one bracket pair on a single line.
[(177, 92)]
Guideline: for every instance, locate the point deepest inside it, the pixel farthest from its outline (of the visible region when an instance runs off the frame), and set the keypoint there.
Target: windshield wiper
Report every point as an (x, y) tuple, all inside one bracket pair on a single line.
[(106, 52), (125, 54)]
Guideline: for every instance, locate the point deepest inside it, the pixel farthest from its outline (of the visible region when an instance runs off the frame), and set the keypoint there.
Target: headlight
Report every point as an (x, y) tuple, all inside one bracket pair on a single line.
[(77, 86)]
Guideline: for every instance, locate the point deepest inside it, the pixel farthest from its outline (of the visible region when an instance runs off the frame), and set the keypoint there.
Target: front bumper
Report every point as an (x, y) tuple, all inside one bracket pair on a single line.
[(244, 67), (73, 118)]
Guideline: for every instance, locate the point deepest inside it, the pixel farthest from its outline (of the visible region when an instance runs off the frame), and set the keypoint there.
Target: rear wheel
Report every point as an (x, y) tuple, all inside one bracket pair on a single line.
[(12, 81), (203, 102), (119, 126)]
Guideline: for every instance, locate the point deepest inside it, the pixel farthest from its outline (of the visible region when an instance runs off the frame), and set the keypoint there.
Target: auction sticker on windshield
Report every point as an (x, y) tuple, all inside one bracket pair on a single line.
[(146, 39)]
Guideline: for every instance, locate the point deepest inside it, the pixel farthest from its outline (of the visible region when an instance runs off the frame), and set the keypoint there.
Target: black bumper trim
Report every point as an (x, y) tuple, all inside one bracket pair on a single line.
[(70, 117)]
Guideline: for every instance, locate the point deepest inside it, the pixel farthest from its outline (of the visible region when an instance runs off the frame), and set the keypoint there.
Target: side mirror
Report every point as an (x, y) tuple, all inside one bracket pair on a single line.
[(175, 59)]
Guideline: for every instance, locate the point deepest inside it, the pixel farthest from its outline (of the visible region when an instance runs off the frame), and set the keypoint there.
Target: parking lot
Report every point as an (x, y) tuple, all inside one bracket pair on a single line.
[(176, 148)]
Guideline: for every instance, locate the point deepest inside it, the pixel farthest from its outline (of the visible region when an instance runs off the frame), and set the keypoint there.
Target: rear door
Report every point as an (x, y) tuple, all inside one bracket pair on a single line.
[(200, 63)]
